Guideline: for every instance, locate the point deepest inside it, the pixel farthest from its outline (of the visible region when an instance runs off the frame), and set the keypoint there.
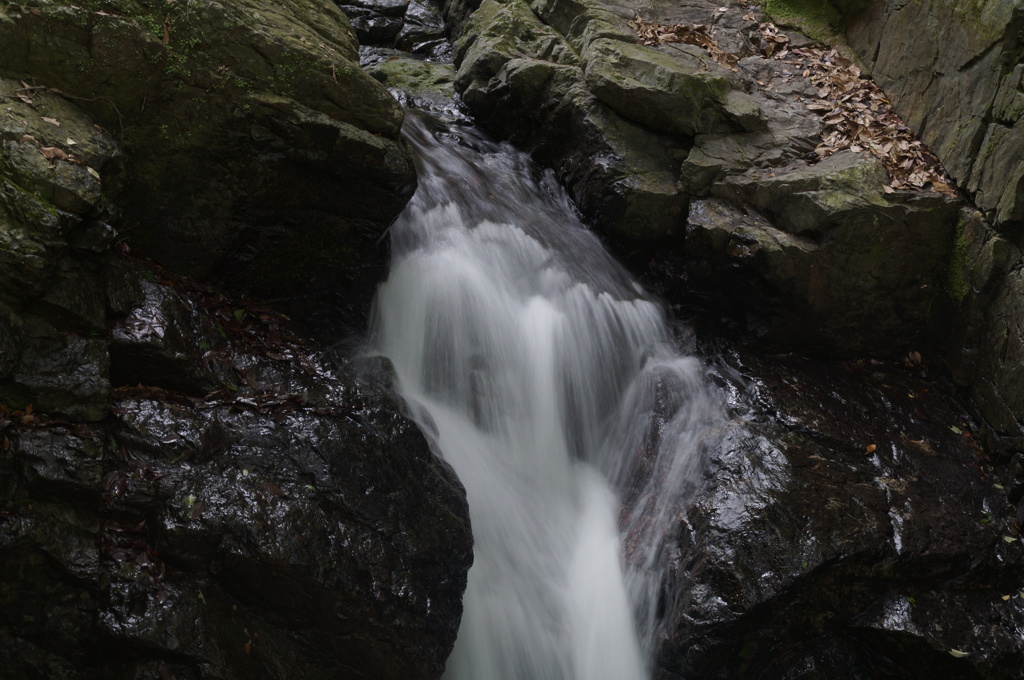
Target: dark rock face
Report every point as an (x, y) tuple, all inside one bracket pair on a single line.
[(984, 338), (253, 136), (188, 490), (852, 257), (954, 70), (161, 338), (290, 522), (832, 538), (413, 26), (52, 294), (318, 529)]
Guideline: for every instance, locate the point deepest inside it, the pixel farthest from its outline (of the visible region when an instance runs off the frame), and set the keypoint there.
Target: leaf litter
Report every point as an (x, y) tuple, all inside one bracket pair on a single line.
[(856, 114), (652, 33)]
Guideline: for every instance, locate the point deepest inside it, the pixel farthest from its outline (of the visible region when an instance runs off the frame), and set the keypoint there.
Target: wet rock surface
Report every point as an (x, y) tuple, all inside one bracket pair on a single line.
[(321, 514), (854, 527), (187, 488), (254, 507), (849, 525), (290, 520), (413, 26)]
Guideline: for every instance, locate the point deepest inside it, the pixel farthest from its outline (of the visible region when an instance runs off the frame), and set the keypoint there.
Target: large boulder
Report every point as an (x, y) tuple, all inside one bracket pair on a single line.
[(841, 267), (830, 538), (188, 490), (258, 151), (289, 520), (528, 81), (673, 91)]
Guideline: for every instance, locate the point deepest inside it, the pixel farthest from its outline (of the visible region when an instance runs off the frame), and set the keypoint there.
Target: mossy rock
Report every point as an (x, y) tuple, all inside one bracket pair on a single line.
[(187, 89), (499, 31), (24, 257), (415, 76), (810, 199), (54, 151), (821, 20), (633, 196), (583, 21), (830, 262), (681, 92)]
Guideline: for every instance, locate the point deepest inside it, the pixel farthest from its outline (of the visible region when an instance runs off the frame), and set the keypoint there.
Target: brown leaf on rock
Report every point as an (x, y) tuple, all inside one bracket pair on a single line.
[(652, 33), (858, 116), (54, 153)]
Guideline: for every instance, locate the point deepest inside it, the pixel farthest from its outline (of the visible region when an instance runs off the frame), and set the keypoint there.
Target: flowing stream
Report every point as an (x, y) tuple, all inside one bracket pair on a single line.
[(552, 385)]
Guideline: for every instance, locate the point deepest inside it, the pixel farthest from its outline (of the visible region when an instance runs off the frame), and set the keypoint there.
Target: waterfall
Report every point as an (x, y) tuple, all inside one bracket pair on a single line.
[(550, 382)]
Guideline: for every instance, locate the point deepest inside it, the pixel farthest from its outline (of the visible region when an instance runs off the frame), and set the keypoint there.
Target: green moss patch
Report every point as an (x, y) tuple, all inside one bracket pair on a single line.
[(818, 19), (956, 283)]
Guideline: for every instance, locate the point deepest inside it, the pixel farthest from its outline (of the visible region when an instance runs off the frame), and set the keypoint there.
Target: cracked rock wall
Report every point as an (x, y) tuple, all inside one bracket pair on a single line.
[(955, 72)]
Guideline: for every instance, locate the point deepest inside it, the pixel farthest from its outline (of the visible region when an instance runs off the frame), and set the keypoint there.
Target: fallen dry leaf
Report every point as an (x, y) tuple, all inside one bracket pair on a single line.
[(653, 33), (856, 113), (53, 153), (858, 116)]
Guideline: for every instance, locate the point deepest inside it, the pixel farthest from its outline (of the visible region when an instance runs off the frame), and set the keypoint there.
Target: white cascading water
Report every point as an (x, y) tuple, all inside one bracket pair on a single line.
[(551, 385)]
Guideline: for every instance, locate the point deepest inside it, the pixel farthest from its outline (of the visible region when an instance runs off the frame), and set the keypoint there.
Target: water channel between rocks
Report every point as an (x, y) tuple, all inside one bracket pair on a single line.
[(551, 383)]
